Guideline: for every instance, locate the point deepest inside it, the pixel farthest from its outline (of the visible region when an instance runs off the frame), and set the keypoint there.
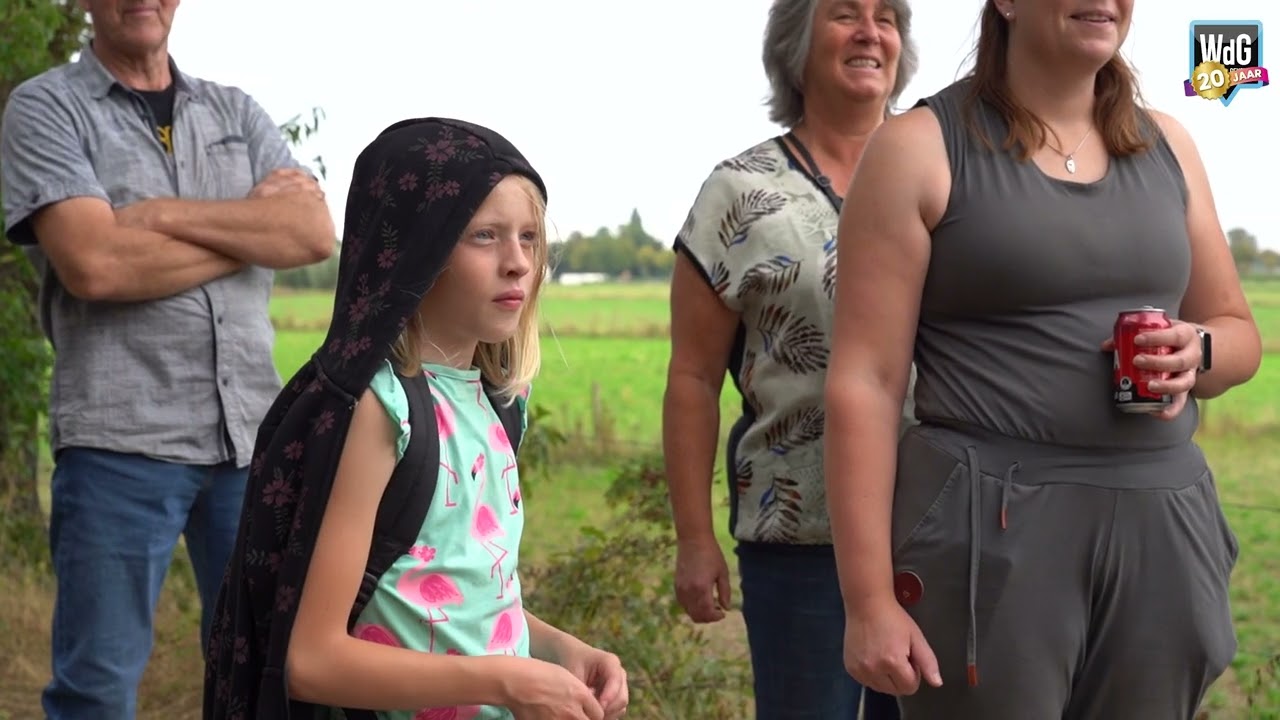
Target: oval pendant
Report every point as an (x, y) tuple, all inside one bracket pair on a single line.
[(1071, 165)]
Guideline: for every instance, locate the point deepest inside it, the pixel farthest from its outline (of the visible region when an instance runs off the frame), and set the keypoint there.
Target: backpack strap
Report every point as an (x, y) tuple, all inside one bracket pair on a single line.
[(407, 498), (509, 415), (405, 502)]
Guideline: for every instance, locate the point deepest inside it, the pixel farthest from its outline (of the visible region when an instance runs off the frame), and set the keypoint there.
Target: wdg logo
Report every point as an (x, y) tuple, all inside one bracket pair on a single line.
[(1226, 56)]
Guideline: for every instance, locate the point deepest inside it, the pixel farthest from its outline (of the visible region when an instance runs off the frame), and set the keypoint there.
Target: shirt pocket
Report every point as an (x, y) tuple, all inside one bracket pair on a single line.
[(128, 162), (228, 169)]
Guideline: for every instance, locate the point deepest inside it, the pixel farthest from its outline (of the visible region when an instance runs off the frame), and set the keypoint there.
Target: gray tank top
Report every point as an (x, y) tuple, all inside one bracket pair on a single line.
[(1026, 276)]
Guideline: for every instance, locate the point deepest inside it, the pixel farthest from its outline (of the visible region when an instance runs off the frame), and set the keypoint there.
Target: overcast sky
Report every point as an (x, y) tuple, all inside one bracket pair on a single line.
[(625, 105)]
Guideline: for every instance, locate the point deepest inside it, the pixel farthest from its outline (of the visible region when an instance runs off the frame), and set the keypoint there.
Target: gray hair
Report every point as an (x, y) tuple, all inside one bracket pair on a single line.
[(788, 36)]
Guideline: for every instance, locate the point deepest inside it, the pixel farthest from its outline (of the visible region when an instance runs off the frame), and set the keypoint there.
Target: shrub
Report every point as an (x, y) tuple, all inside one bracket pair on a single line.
[(614, 589)]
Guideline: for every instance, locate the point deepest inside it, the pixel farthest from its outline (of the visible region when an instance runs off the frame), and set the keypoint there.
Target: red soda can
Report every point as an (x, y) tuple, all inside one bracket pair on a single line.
[(1131, 385)]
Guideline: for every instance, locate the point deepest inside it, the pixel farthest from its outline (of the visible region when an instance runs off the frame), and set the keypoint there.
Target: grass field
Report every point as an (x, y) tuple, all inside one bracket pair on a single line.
[(609, 343), (633, 310), (611, 337), (614, 338)]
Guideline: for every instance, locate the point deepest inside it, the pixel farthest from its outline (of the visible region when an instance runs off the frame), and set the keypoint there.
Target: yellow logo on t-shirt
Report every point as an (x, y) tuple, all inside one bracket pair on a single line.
[(165, 134)]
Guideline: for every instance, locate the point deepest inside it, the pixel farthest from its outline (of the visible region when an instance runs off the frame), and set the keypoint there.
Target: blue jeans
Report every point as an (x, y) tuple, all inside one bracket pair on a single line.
[(112, 531), (795, 626)]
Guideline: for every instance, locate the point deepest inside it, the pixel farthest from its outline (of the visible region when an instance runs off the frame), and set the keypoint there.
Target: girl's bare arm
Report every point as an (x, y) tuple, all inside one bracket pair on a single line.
[(326, 665)]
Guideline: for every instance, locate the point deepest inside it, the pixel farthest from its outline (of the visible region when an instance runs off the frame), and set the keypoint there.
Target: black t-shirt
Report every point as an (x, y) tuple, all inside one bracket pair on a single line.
[(161, 103)]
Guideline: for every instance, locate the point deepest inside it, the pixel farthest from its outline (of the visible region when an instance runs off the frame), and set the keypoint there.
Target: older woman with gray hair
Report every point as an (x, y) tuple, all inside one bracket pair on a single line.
[(752, 295)]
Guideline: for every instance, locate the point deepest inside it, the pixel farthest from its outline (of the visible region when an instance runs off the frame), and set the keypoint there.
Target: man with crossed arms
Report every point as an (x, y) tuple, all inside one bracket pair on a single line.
[(156, 207)]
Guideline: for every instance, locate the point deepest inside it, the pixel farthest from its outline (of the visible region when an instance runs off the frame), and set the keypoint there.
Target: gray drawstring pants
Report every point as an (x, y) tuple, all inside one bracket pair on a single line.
[(1058, 583)]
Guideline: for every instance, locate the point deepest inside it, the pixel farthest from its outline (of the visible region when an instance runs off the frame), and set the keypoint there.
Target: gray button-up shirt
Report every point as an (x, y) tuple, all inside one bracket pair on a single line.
[(186, 378)]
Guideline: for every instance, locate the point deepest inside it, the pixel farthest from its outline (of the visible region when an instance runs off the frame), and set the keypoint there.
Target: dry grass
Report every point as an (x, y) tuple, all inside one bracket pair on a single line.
[(24, 661), (171, 685)]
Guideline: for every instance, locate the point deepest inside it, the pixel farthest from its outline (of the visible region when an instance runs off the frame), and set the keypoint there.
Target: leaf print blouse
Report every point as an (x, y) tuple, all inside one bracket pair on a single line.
[(457, 590), (763, 235)]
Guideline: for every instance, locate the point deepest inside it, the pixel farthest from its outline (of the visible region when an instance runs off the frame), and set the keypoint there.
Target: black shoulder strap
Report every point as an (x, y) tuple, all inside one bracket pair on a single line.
[(407, 499), (405, 502), (509, 414), (815, 173)]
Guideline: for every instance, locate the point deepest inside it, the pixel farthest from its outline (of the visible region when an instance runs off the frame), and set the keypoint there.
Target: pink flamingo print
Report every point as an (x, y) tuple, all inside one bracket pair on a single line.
[(507, 629), (370, 632), (479, 393), (447, 423), (453, 475), (499, 441), (485, 528), (429, 590)]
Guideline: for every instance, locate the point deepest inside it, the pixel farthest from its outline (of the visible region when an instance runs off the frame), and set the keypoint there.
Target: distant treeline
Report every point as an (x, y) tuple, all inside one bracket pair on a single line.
[(631, 253), (626, 253), (1251, 261)]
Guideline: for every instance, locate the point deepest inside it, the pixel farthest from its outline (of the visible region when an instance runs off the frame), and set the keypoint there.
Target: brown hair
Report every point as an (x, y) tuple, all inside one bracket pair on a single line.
[(509, 366), (1117, 112)]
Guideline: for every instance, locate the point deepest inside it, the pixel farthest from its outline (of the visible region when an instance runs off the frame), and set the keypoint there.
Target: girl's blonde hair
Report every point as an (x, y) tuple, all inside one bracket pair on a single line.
[(508, 366)]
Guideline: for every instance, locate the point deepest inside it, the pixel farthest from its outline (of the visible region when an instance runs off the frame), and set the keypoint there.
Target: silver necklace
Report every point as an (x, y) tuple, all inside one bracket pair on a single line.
[(1070, 158)]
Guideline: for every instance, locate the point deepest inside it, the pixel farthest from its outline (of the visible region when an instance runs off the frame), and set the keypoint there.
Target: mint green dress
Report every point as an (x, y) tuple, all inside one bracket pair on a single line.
[(457, 591)]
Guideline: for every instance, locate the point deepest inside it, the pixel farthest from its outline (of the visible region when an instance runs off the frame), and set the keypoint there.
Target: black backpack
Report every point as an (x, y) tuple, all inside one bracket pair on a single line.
[(407, 499)]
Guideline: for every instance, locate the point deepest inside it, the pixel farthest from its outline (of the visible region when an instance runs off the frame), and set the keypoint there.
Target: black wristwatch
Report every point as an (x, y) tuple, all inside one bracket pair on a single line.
[(1206, 350)]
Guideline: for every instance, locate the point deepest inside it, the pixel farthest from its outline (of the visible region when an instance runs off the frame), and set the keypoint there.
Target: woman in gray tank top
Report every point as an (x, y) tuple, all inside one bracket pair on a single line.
[(1029, 552)]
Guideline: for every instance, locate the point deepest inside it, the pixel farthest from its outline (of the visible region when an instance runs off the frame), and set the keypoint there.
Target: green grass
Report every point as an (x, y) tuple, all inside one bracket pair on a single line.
[(1246, 467), (622, 309), (610, 342), (633, 310), (1264, 298), (614, 337), (624, 377), (598, 343)]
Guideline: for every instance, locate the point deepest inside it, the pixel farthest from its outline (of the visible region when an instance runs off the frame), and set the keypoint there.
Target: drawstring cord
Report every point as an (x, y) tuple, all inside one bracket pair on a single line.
[(1005, 486), (975, 549)]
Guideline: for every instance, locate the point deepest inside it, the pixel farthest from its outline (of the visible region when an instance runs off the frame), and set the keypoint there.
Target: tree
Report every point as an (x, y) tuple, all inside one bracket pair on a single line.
[(1244, 249), (1270, 260), (38, 35), (629, 252), (298, 131)]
